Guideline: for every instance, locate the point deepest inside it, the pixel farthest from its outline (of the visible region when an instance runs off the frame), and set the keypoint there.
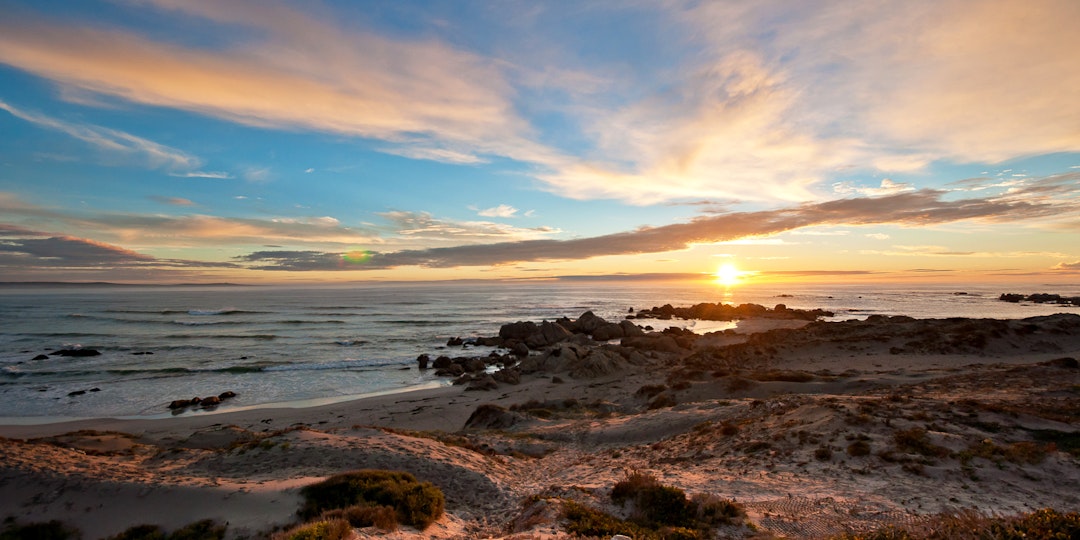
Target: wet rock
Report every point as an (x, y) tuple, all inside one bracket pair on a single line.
[(473, 365), (508, 376), (520, 350), (209, 402), (455, 342), (180, 404), (423, 360), (442, 362), (76, 393), (228, 394), (40, 357), (76, 353)]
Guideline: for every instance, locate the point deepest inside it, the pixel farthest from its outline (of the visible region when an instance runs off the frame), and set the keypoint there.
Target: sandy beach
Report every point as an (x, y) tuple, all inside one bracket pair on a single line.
[(816, 429)]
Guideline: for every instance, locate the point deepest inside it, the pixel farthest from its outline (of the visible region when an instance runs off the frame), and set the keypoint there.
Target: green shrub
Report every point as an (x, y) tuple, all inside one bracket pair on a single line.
[(915, 441), (358, 515), (712, 510), (141, 532), (667, 510), (1046, 524), (587, 521), (858, 448), (415, 503), (328, 529), (50, 530), (206, 529)]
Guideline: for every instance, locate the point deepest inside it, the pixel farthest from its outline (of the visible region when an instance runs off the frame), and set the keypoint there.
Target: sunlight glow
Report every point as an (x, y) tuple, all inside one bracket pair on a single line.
[(728, 275)]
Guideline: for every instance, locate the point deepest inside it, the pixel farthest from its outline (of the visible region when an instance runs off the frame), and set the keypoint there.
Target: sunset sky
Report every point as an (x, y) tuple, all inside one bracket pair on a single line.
[(258, 141)]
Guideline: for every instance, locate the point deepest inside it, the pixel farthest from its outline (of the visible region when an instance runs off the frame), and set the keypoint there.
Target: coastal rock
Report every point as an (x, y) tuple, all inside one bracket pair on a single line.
[(519, 350), (518, 330), (578, 362), (631, 329), (40, 357), (489, 341), (455, 342), (653, 342), (608, 331), (228, 394), (588, 322), (180, 404), (489, 416), (423, 360), (473, 365), (211, 401), (483, 382), (76, 393), (442, 362), (508, 376), (548, 333), (76, 353), (453, 370)]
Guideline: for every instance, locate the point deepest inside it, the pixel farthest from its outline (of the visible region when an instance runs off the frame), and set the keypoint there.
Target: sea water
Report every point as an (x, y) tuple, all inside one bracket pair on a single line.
[(278, 345)]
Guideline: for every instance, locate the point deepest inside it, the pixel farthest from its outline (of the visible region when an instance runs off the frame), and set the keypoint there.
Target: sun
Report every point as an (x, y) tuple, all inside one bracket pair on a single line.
[(727, 275)]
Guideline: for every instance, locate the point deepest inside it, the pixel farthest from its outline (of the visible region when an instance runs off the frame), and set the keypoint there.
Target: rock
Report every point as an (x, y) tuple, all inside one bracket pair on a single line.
[(557, 380), (212, 401), (520, 350), (76, 393), (474, 365), (180, 404), (518, 330), (508, 376), (483, 382), (423, 360), (549, 333), (453, 370), (228, 394), (76, 352), (589, 322), (489, 341), (631, 329), (95, 389), (455, 342), (1064, 363), (608, 331), (653, 342), (40, 357), (442, 362), (488, 416)]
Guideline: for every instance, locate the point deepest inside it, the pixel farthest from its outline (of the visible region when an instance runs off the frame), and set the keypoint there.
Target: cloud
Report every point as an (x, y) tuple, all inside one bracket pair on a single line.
[(175, 201), (503, 211), (423, 227), (203, 174), (915, 209), (287, 68), (1068, 266), (110, 140), (887, 187)]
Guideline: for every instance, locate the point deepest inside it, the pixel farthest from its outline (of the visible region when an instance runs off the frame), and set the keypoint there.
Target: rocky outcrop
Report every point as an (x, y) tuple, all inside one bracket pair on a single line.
[(488, 416), (76, 353), (727, 312), (1041, 298), (579, 362)]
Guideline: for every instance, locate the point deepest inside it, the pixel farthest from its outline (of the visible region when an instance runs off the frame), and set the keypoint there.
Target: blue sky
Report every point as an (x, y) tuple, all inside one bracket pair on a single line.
[(260, 141)]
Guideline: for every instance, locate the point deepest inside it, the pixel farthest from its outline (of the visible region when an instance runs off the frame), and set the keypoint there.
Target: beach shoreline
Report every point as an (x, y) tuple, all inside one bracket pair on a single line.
[(761, 417)]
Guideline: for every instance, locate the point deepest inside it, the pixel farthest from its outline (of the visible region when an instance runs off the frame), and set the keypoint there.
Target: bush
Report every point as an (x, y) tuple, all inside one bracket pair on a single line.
[(415, 503), (141, 532), (667, 510), (331, 529), (382, 517), (50, 530), (915, 441), (1046, 524), (206, 529), (858, 448)]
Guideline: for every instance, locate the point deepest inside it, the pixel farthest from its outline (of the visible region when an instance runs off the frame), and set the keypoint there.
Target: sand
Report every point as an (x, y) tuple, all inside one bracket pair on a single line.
[(953, 414)]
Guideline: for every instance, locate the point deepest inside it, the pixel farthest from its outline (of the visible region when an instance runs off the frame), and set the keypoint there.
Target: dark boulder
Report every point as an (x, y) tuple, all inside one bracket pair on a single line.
[(473, 365), (180, 404), (519, 350), (40, 357), (608, 331), (76, 353), (423, 360), (483, 382), (518, 330), (209, 402), (455, 342), (548, 333), (488, 416), (508, 376), (453, 370), (442, 362), (228, 394), (76, 393)]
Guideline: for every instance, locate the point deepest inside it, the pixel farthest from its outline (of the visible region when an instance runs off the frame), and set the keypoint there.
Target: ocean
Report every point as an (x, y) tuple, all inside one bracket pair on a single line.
[(309, 345)]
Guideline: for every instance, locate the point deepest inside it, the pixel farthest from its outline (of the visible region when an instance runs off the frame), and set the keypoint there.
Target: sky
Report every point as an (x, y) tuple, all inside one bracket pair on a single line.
[(263, 141)]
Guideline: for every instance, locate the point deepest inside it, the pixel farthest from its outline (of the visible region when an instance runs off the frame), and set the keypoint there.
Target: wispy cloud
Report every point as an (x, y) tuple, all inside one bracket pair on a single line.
[(174, 201), (919, 208), (110, 140), (503, 211), (203, 174)]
